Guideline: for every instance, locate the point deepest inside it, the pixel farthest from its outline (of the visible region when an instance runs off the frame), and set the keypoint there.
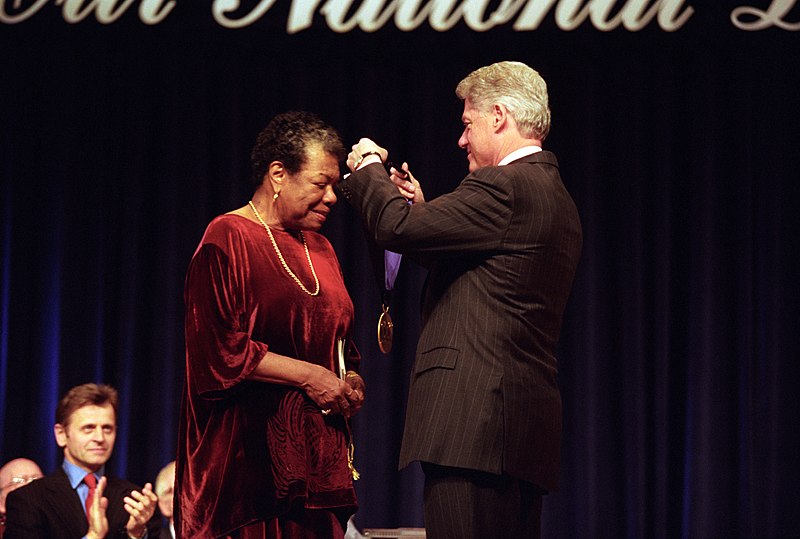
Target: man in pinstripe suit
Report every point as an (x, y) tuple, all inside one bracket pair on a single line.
[(484, 410), (54, 507)]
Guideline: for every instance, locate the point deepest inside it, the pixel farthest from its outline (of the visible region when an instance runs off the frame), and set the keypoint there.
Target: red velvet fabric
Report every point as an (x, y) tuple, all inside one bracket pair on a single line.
[(250, 451)]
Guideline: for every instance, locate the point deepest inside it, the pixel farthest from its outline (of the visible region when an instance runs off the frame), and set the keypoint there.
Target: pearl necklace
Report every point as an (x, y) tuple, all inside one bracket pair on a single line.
[(283, 261)]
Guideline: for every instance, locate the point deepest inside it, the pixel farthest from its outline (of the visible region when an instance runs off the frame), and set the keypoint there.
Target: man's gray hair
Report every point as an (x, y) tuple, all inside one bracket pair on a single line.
[(516, 86)]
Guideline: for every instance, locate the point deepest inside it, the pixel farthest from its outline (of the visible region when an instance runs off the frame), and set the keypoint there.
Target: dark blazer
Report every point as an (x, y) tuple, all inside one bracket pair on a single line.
[(49, 508), (502, 251)]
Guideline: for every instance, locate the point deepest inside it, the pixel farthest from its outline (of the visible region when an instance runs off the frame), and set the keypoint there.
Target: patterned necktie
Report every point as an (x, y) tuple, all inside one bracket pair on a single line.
[(91, 482)]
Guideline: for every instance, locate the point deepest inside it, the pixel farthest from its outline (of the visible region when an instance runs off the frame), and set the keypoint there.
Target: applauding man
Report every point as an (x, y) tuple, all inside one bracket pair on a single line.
[(79, 500)]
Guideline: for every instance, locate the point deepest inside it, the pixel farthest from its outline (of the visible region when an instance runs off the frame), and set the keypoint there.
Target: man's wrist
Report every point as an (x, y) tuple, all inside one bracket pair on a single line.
[(367, 158)]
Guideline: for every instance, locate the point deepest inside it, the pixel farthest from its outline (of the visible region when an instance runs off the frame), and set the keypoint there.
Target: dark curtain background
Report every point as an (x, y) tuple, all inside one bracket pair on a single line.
[(679, 355)]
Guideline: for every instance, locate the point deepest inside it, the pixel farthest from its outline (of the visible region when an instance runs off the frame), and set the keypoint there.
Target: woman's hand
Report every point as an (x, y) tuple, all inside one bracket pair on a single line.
[(355, 381), (329, 392), (323, 387)]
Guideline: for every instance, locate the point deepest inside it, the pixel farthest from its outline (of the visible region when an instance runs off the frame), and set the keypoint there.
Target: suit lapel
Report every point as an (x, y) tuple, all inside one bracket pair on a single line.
[(65, 506)]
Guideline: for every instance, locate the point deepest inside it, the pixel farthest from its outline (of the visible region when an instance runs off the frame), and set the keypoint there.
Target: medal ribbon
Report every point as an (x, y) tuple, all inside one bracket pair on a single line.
[(391, 264), (386, 279), (351, 448)]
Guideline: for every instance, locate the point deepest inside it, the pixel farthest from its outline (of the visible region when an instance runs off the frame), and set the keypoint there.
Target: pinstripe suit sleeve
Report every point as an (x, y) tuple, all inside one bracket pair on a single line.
[(472, 218)]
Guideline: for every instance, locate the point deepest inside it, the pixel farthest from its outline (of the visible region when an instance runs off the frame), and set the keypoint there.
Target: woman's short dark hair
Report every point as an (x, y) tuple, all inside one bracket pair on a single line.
[(287, 139), (85, 395)]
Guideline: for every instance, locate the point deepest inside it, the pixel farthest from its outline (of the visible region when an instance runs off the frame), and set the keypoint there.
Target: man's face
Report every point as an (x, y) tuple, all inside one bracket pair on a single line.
[(88, 437), (166, 492), (477, 137)]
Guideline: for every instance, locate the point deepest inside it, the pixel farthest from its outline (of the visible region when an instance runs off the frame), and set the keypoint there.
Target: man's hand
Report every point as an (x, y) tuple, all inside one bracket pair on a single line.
[(98, 523), (406, 183), (140, 506), (365, 152)]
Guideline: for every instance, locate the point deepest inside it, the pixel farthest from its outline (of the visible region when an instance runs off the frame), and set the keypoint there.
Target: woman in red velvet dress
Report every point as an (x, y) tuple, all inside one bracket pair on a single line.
[(263, 441)]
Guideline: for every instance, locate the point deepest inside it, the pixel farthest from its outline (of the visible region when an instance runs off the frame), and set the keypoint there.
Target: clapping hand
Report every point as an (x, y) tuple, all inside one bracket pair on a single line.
[(98, 522), (140, 506)]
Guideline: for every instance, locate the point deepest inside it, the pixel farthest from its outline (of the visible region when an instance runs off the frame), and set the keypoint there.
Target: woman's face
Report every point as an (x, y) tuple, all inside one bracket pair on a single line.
[(306, 197)]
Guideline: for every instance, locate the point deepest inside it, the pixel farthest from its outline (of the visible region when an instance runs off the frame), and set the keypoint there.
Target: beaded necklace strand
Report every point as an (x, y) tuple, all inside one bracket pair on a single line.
[(280, 255)]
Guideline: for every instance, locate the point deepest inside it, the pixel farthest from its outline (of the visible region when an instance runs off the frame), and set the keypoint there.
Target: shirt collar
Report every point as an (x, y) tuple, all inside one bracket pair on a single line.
[(518, 154), (75, 474)]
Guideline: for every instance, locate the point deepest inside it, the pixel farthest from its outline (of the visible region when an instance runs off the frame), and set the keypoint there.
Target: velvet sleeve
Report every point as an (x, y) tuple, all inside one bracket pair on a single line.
[(219, 348)]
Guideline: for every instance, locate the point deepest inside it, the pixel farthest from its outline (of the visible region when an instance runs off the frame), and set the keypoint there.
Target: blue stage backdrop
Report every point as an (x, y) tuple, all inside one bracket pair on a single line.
[(126, 126)]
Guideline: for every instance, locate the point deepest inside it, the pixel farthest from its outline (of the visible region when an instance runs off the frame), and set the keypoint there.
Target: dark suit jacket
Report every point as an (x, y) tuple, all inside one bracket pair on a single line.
[(502, 251), (49, 508)]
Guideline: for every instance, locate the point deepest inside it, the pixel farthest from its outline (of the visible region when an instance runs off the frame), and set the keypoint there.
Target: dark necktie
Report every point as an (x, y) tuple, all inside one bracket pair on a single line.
[(91, 482)]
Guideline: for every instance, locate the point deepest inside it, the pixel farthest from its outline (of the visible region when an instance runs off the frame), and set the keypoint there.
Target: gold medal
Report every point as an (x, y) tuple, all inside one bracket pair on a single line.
[(385, 331)]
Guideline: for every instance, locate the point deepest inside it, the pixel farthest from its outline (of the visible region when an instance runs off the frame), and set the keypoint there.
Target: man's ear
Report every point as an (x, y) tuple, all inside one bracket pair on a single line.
[(61, 434), (499, 116)]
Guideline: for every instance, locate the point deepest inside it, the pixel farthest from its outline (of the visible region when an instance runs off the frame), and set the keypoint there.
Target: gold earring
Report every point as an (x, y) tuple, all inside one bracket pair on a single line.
[(275, 196)]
